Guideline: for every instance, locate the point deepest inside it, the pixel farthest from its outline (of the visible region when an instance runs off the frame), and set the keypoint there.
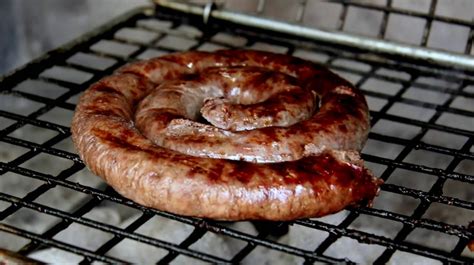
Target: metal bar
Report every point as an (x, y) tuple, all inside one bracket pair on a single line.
[(109, 228), (383, 241), (422, 146), (383, 25), (9, 257), (57, 244), (373, 45), (117, 238), (418, 194), (188, 220), (423, 104), (422, 124), (301, 10), (42, 148), (470, 41), (410, 13), (260, 6), (459, 231), (342, 17), (60, 226), (436, 189), (429, 22), (21, 120), (45, 100), (412, 83), (192, 238), (418, 168)]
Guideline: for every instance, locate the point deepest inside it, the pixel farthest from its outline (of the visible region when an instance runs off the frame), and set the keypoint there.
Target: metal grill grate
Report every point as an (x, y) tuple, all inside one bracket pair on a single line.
[(428, 19), (421, 144)]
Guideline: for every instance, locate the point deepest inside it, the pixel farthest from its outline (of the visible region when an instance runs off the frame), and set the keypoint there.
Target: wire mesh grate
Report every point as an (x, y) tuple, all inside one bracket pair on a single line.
[(430, 20), (421, 144)]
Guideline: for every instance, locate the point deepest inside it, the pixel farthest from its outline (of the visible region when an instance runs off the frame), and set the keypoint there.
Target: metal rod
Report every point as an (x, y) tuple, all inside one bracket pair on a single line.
[(373, 45)]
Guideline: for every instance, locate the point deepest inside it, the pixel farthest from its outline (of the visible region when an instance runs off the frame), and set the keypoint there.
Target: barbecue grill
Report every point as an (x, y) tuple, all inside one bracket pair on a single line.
[(421, 101)]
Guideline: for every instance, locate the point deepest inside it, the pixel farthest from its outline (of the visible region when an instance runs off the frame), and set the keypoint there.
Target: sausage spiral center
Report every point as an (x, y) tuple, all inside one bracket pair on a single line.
[(234, 101), (228, 135)]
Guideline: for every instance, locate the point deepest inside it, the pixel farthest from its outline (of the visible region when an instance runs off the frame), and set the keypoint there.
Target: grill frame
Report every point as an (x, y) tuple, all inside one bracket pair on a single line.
[(59, 57), (378, 44)]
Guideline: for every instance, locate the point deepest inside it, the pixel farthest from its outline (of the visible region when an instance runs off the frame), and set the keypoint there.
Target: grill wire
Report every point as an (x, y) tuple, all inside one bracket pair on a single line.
[(141, 34)]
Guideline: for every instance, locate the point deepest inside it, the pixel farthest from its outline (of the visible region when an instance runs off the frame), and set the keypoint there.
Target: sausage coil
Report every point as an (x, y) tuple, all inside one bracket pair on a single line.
[(230, 135)]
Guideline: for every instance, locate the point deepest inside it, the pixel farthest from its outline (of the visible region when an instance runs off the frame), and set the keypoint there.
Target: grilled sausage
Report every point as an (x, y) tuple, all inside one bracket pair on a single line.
[(139, 129)]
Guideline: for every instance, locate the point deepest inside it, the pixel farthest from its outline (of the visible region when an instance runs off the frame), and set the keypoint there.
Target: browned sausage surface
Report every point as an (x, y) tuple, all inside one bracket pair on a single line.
[(229, 135)]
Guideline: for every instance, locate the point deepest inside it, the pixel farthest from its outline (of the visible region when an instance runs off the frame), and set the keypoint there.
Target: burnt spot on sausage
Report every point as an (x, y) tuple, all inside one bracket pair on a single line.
[(190, 77), (270, 134), (243, 171), (211, 175), (120, 141), (342, 128), (105, 112), (323, 168), (259, 79), (349, 105), (167, 117), (107, 90)]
